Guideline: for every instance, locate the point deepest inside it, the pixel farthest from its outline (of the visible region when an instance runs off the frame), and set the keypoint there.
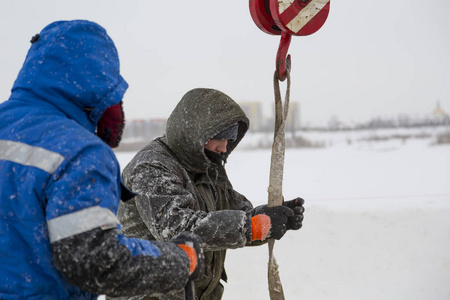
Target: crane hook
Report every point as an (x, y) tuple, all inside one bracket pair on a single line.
[(283, 59)]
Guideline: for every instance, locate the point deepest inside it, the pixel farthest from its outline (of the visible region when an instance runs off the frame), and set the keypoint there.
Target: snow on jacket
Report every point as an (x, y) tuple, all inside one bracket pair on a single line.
[(180, 189), (60, 184)]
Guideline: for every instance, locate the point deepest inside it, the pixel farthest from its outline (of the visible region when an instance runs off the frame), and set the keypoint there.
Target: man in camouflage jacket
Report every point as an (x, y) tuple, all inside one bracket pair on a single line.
[(182, 185)]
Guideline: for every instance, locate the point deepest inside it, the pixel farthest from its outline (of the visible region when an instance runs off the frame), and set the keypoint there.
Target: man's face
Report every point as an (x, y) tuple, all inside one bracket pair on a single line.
[(218, 146)]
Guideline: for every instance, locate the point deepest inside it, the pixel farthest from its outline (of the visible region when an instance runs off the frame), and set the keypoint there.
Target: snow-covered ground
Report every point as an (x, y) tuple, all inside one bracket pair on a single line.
[(377, 220)]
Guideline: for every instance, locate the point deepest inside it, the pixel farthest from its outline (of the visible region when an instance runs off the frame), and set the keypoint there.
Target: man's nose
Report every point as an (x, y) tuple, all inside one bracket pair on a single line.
[(222, 146)]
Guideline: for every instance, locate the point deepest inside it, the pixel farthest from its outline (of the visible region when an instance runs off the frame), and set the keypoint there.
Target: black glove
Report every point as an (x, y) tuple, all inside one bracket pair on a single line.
[(295, 221), (190, 243), (270, 222)]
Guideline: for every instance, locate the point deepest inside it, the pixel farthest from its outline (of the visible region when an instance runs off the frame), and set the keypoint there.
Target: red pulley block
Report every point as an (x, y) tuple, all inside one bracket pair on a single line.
[(260, 12), (287, 18)]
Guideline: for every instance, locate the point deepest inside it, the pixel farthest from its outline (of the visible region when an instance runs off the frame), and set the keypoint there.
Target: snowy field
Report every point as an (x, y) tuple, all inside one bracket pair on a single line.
[(377, 220)]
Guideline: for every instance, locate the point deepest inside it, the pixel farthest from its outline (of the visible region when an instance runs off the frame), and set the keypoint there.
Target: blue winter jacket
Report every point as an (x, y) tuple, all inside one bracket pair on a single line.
[(60, 184)]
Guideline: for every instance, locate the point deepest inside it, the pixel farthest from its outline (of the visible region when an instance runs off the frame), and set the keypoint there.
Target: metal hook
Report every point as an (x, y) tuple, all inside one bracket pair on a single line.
[(283, 59)]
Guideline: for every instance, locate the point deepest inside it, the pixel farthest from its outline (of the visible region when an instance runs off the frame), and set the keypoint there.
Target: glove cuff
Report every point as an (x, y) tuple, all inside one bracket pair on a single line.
[(260, 227), (192, 254)]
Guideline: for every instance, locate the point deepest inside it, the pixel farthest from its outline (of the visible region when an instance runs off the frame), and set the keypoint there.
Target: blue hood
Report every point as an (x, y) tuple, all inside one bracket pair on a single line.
[(73, 66)]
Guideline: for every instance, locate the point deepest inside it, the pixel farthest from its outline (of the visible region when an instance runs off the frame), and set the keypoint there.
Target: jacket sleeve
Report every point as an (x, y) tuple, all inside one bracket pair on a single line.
[(104, 262), (247, 206), (87, 249), (167, 207)]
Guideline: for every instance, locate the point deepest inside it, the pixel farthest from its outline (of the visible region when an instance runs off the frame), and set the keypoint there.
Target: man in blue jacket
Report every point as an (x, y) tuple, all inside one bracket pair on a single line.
[(60, 183)]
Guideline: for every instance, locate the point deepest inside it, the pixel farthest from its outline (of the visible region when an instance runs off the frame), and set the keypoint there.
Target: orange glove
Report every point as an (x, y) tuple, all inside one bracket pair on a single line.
[(190, 244)]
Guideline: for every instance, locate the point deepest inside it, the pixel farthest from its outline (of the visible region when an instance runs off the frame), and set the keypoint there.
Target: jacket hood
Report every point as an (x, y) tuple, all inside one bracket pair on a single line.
[(200, 115), (73, 65)]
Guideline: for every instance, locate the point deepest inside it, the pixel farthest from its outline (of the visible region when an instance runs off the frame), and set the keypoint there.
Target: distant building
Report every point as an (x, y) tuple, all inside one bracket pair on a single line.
[(157, 127), (293, 119), (144, 129), (438, 112), (148, 129), (254, 112)]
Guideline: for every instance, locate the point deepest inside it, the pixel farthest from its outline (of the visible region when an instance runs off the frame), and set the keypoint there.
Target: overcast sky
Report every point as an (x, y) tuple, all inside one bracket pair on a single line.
[(369, 59)]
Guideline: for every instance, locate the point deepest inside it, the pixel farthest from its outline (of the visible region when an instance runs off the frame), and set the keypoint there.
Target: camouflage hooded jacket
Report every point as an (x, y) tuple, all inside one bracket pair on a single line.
[(180, 189)]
